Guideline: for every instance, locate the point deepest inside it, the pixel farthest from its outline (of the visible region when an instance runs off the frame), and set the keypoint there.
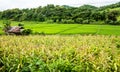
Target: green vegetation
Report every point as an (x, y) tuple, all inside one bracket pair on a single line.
[(65, 39), (66, 29), (86, 14), (17, 30), (56, 53), (76, 17)]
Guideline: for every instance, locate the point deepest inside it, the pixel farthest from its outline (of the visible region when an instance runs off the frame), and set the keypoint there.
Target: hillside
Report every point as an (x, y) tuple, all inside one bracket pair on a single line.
[(112, 6), (86, 14)]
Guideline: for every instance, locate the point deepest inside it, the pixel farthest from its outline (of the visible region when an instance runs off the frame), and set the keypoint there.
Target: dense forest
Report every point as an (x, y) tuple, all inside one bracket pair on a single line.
[(85, 14)]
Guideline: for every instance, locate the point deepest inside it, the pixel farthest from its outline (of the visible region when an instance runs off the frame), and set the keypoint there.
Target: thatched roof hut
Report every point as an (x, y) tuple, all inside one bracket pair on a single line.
[(14, 30)]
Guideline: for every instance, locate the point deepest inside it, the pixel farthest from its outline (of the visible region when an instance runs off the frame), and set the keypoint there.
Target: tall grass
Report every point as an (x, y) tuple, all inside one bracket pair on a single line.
[(56, 53)]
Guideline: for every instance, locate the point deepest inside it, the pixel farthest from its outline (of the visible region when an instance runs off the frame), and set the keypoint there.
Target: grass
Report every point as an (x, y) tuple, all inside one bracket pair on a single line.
[(67, 29), (60, 53)]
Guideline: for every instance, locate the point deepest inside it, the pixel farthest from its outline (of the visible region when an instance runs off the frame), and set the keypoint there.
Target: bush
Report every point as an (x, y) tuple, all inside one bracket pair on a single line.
[(86, 22), (79, 20), (107, 21), (68, 21), (6, 22), (20, 24), (7, 25), (117, 22), (112, 22), (26, 31)]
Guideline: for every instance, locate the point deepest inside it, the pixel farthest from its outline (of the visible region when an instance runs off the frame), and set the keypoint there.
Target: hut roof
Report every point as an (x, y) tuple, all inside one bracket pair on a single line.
[(15, 29)]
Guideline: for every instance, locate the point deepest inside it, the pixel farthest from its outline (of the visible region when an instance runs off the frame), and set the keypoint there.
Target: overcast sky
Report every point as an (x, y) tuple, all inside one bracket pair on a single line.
[(9, 4)]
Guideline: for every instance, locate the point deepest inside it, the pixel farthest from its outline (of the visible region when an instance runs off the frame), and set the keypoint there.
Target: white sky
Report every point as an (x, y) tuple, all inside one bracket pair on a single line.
[(9, 4)]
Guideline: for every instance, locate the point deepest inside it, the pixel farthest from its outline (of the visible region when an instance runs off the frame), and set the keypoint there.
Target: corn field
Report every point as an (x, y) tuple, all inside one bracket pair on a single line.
[(60, 53)]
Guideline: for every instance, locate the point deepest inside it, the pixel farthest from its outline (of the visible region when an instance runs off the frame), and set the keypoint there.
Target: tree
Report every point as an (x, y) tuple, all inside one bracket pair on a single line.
[(78, 20), (40, 17), (56, 13), (7, 26), (112, 15)]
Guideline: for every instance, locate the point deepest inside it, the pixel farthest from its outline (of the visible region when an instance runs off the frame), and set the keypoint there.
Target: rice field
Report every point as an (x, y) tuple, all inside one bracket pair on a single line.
[(66, 29), (60, 53)]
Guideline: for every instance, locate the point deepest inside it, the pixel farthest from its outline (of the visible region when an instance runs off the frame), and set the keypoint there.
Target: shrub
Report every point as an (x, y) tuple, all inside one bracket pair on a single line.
[(79, 20), (26, 31), (112, 22), (117, 22), (68, 21), (6, 22), (7, 25), (20, 24), (86, 22)]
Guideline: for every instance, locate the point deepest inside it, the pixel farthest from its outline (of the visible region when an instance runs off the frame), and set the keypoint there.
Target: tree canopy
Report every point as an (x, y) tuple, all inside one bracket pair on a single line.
[(63, 14)]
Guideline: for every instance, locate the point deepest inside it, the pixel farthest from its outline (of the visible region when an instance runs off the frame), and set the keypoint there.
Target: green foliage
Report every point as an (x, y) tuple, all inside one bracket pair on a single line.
[(27, 31), (112, 22), (112, 6), (40, 18), (118, 22), (112, 15), (63, 14), (58, 53), (89, 7), (79, 20), (7, 25), (66, 29), (86, 22), (68, 21), (7, 22), (20, 24)]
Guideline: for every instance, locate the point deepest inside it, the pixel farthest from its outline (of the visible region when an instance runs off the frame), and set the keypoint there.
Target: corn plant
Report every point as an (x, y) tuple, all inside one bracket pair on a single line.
[(59, 53)]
